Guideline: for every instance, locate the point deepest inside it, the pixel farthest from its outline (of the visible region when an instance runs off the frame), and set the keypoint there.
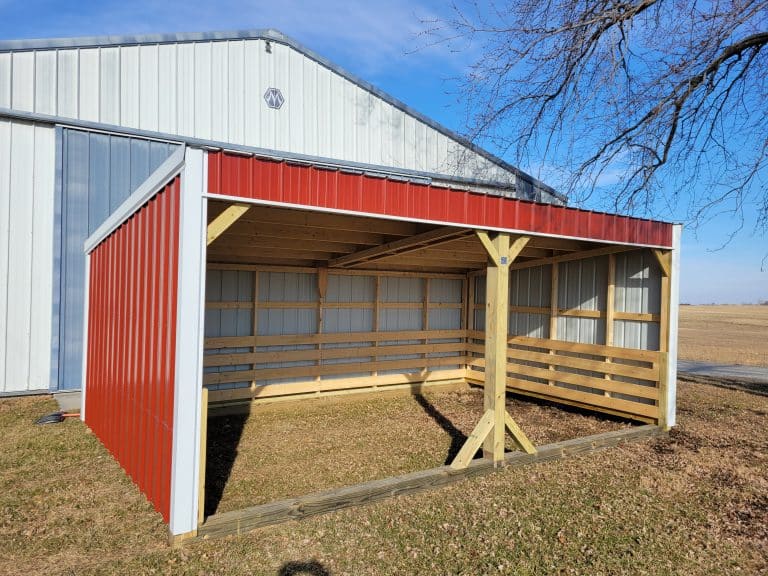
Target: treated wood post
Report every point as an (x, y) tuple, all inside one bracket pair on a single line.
[(664, 259), (203, 455), (490, 430), (496, 325)]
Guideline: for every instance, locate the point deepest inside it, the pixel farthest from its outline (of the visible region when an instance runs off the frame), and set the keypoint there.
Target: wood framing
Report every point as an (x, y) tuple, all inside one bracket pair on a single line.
[(223, 221), (490, 430), (403, 246)]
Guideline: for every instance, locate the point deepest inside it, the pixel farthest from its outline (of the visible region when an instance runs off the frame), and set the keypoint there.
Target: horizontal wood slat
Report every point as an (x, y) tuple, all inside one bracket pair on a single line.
[(329, 354), (330, 338), (591, 349), (329, 369), (579, 313), (555, 392), (649, 392), (579, 363)]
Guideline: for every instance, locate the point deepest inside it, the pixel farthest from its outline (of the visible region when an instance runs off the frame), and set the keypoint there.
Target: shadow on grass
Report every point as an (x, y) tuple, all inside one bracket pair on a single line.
[(310, 568), (224, 434), (458, 438)]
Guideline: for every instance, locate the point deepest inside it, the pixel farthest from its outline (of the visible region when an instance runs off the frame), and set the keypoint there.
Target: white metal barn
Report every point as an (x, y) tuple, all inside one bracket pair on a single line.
[(229, 217)]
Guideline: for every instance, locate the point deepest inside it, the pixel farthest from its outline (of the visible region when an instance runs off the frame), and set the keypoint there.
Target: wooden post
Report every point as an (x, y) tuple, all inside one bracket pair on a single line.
[(553, 310), (322, 289), (375, 323), (496, 325), (490, 430), (610, 308), (255, 327), (664, 259), (203, 455), (425, 319)]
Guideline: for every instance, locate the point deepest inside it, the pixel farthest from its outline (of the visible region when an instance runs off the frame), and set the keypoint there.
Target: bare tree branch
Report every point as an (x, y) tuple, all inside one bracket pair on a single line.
[(639, 102)]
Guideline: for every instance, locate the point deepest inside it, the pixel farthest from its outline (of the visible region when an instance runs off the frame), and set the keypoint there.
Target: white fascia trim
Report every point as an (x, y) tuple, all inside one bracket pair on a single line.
[(151, 186), (87, 290), (189, 346), (260, 202), (674, 315)]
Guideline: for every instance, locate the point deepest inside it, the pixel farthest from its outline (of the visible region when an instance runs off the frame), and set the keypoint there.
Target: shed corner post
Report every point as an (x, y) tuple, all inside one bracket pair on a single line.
[(187, 425), (672, 332)]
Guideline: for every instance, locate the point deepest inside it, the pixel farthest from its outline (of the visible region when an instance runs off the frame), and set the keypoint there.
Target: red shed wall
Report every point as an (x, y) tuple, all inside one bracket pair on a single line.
[(273, 181), (132, 343)]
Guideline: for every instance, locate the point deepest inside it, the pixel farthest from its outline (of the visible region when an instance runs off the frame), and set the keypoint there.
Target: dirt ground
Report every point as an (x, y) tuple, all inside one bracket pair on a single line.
[(693, 503), (333, 442), (724, 334)]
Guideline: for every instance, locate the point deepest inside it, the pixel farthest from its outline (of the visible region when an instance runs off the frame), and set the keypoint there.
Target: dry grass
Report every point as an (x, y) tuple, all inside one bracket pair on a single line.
[(724, 334), (694, 503), (333, 442)]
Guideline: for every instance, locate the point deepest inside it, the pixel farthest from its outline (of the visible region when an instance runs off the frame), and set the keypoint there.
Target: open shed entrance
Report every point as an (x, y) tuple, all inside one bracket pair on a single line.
[(302, 304)]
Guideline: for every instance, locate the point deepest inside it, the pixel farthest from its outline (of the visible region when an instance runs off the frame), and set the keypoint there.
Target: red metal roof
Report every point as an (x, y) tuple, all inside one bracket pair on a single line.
[(309, 186)]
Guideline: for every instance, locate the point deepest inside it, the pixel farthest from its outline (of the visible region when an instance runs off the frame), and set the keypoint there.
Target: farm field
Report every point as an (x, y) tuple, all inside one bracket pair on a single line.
[(724, 334), (695, 502)]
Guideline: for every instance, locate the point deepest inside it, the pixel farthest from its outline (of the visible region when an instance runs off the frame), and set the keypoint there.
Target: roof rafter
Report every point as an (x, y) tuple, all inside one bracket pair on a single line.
[(402, 246)]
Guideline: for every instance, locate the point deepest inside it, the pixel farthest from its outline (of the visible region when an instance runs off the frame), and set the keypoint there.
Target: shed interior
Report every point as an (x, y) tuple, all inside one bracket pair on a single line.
[(302, 303)]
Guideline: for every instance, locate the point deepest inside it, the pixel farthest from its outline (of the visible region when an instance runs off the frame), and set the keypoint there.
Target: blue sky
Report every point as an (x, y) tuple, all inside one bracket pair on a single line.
[(380, 42)]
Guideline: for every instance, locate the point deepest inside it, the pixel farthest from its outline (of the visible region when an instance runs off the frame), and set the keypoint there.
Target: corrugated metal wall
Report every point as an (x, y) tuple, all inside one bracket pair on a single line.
[(215, 90), (98, 172), (638, 281), (132, 344), (582, 285), (27, 175)]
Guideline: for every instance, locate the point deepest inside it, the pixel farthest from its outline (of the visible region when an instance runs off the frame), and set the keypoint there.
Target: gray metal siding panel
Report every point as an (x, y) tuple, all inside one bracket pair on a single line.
[(99, 171)]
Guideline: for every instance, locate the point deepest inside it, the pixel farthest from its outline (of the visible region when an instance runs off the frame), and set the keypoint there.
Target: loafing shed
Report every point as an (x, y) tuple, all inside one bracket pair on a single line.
[(234, 274)]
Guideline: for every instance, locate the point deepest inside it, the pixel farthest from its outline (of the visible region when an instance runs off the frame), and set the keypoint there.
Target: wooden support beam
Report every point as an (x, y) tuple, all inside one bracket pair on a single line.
[(402, 246), (500, 256), (602, 251), (518, 434), (224, 220), (493, 254), (516, 247), (664, 334), (496, 328), (476, 438), (664, 258)]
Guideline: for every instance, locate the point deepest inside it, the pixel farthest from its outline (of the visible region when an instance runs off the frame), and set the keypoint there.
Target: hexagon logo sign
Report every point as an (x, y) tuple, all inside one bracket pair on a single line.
[(274, 98)]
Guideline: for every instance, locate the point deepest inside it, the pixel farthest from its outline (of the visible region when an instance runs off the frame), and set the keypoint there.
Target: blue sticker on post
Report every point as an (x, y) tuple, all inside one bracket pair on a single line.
[(503, 259)]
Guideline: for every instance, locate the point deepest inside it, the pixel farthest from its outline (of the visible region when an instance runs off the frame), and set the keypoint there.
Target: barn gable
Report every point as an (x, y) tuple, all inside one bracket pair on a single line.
[(258, 89)]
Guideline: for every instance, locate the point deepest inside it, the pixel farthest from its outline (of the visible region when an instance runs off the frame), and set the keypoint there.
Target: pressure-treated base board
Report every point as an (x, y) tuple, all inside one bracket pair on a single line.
[(241, 521)]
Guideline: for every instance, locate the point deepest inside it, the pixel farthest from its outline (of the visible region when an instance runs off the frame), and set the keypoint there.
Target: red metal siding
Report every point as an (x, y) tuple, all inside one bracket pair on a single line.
[(130, 360), (245, 177)]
